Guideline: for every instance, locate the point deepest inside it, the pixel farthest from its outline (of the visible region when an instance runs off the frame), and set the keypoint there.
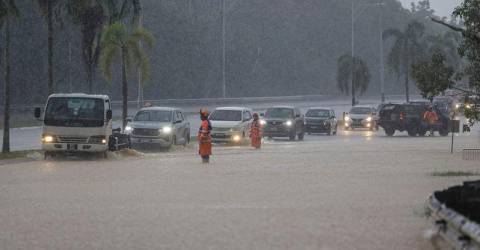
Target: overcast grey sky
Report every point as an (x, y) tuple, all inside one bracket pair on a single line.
[(441, 7)]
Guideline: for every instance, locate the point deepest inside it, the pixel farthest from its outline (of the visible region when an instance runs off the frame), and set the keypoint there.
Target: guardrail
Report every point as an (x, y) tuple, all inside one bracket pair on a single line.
[(216, 101), (471, 154), (456, 229)]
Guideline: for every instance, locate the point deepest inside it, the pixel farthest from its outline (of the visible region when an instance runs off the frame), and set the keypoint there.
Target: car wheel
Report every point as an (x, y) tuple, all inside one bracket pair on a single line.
[(292, 136), (301, 135)]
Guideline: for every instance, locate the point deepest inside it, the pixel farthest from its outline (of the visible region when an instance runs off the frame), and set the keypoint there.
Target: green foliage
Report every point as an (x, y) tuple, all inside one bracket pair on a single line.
[(433, 76), (8, 9), (408, 47), (470, 46), (360, 71), (116, 40)]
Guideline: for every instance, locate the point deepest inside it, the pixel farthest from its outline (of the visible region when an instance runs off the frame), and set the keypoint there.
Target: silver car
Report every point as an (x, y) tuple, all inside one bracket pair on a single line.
[(231, 124), (160, 126)]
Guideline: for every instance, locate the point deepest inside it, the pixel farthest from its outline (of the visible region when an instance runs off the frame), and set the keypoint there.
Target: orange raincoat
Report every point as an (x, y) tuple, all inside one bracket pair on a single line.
[(256, 134)]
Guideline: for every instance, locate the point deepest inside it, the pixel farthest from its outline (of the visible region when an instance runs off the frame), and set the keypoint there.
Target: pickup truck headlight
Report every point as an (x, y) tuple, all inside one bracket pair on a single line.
[(166, 130), (263, 122), (48, 138), (289, 123), (369, 119)]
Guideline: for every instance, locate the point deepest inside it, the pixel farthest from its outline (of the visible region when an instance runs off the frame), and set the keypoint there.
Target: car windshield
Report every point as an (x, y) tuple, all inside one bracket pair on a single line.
[(279, 113), (318, 113), (360, 110), (154, 116), (226, 115), (74, 112)]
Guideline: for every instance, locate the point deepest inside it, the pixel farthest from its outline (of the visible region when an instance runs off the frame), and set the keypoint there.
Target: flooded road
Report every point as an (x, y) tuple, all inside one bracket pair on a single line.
[(357, 190)]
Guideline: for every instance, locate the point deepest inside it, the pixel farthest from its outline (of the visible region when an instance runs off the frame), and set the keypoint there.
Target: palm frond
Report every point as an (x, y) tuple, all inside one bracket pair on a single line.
[(144, 35), (109, 53)]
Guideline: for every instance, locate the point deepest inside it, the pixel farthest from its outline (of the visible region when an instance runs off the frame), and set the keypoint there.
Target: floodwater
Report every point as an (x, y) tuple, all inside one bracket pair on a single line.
[(357, 190)]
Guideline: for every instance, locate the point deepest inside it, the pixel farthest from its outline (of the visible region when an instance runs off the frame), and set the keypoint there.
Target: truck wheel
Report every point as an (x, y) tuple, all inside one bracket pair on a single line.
[(412, 132), (443, 132), (389, 131)]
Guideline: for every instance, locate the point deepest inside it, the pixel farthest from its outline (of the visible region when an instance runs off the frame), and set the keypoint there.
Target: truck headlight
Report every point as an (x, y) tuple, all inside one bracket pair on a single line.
[(236, 138), (48, 138), (289, 123), (347, 118), (128, 129), (97, 139), (263, 122), (166, 130), (369, 119)]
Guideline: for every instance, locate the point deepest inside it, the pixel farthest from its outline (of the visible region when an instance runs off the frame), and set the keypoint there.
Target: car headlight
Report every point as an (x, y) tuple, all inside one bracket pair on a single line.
[(166, 130), (457, 106), (263, 122), (289, 123), (369, 119), (468, 106), (347, 118), (48, 138), (128, 129), (97, 139)]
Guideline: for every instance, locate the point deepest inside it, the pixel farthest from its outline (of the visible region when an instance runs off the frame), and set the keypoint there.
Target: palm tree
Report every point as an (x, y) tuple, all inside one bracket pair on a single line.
[(8, 12), (361, 75), (406, 50), (118, 42), (91, 16), (48, 10), (448, 44)]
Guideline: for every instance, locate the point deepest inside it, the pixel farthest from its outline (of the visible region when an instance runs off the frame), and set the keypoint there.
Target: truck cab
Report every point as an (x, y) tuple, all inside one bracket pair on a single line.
[(76, 123)]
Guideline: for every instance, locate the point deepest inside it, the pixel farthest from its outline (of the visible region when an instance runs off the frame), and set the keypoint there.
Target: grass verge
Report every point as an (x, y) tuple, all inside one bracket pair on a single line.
[(455, 174)]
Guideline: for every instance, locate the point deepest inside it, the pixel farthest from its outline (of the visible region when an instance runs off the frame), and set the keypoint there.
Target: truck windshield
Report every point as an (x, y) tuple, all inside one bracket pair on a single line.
[(74, 112), (318, 113), (226, 115), (153, 116), (279, 113)]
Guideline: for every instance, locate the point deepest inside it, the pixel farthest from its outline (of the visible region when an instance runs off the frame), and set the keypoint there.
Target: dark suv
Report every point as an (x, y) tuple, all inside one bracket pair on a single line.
[(283, 122), (409, 117)]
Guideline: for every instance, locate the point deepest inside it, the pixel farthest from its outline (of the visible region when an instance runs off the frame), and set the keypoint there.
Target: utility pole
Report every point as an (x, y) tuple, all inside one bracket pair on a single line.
[(224, 84), (353, 55), (139, 72), (382, 67)]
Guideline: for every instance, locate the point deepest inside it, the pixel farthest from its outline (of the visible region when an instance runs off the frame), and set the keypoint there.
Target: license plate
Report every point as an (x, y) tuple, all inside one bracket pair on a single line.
[(72, 147)]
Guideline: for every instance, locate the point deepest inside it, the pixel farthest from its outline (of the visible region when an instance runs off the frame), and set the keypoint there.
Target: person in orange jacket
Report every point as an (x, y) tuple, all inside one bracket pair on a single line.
[(431, 118), (255, 132), (204, 137)]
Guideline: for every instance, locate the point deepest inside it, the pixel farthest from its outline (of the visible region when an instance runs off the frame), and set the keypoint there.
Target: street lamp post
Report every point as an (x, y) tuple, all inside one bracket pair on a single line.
[(224, 58), (382, 70)]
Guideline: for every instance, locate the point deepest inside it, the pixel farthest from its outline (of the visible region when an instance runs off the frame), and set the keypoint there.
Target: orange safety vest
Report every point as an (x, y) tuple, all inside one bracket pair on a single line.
[(256, 134), (430, 116), (205, 139)]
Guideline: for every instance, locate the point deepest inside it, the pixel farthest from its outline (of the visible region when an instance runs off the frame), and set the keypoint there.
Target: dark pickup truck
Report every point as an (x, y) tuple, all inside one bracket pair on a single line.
[(409, 117)]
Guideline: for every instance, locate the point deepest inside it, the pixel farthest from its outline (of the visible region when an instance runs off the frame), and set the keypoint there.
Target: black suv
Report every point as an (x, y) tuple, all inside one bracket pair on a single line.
[(283, 122), (409, 117)]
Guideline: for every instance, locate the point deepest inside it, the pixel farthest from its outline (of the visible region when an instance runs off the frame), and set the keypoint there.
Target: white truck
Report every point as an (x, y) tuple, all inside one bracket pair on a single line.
[(78, 123)]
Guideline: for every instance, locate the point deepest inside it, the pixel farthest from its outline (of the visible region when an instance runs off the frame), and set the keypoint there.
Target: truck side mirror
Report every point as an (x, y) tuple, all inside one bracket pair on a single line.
[(109, 115), (38, 113)]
